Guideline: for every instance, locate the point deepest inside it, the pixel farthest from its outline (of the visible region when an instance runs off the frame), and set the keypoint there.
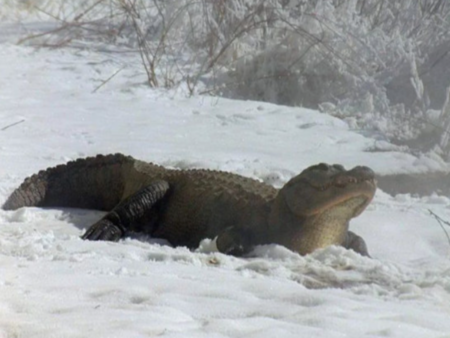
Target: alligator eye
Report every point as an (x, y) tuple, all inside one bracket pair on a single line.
[(338, 167), (321, 167)]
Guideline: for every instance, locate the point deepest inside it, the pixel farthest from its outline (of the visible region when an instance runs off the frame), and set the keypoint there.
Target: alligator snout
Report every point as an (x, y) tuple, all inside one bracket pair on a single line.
[(356, 175)]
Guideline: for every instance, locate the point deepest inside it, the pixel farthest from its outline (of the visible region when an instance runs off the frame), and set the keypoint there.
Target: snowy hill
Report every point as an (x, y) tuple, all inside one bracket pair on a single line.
[(53, 284)]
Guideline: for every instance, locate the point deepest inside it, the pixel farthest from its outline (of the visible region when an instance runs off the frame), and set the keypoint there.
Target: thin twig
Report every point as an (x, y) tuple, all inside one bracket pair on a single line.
[(441, 223), (107, 80), (11, 125), (66, 24)]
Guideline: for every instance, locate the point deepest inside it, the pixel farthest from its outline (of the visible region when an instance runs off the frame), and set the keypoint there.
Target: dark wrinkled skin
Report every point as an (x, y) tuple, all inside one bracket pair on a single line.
[(311, 211)]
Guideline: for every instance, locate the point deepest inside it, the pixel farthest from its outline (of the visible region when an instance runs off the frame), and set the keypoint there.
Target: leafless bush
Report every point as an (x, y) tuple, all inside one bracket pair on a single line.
[(377, 63)]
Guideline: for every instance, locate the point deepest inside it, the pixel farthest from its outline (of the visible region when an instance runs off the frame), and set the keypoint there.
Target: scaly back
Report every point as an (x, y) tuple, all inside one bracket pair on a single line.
[(101, 182)]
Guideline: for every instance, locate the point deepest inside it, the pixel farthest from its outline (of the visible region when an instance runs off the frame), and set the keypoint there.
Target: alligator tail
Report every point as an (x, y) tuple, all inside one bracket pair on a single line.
[(91, 183)]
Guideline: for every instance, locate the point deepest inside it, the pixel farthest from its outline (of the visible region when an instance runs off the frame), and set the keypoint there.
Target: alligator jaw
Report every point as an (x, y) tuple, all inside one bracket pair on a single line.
[(326, 228)]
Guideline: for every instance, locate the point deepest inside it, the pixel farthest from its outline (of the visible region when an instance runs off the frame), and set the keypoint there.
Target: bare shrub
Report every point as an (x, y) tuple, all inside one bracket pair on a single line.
[(379, 64)]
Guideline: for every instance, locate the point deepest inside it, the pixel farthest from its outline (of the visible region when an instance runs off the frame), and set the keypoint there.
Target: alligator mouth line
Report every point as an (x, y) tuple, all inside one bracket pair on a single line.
[(345, 181), (353, 190)]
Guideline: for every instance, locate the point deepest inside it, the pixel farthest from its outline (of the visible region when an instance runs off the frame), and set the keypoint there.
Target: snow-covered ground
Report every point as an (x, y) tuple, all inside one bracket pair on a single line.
[(53, 284)]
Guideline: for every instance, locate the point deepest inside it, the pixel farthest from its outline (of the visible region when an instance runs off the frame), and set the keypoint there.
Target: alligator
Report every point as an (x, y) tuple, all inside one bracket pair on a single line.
[(311, 211)]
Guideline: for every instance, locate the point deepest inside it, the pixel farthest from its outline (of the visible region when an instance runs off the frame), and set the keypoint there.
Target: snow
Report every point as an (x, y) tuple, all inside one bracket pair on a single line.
[(53, 284)]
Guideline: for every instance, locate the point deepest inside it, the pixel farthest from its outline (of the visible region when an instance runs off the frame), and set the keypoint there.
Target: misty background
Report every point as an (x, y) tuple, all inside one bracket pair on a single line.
[(381, 66)]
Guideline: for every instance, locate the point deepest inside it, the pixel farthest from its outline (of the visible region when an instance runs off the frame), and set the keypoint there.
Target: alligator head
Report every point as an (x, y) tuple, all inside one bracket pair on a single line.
[(320, 202)]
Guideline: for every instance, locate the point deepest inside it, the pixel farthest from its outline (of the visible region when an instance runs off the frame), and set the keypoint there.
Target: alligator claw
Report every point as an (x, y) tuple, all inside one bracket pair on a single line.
[(104, 230)]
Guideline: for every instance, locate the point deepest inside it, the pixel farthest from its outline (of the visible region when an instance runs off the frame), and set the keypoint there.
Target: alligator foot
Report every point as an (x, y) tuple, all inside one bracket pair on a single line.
[(104, 230), (234, 242), (356, 243)]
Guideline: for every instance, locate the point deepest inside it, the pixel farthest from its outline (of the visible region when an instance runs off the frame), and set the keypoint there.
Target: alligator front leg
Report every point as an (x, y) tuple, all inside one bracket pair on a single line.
[(356, 243), (114, 225)]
